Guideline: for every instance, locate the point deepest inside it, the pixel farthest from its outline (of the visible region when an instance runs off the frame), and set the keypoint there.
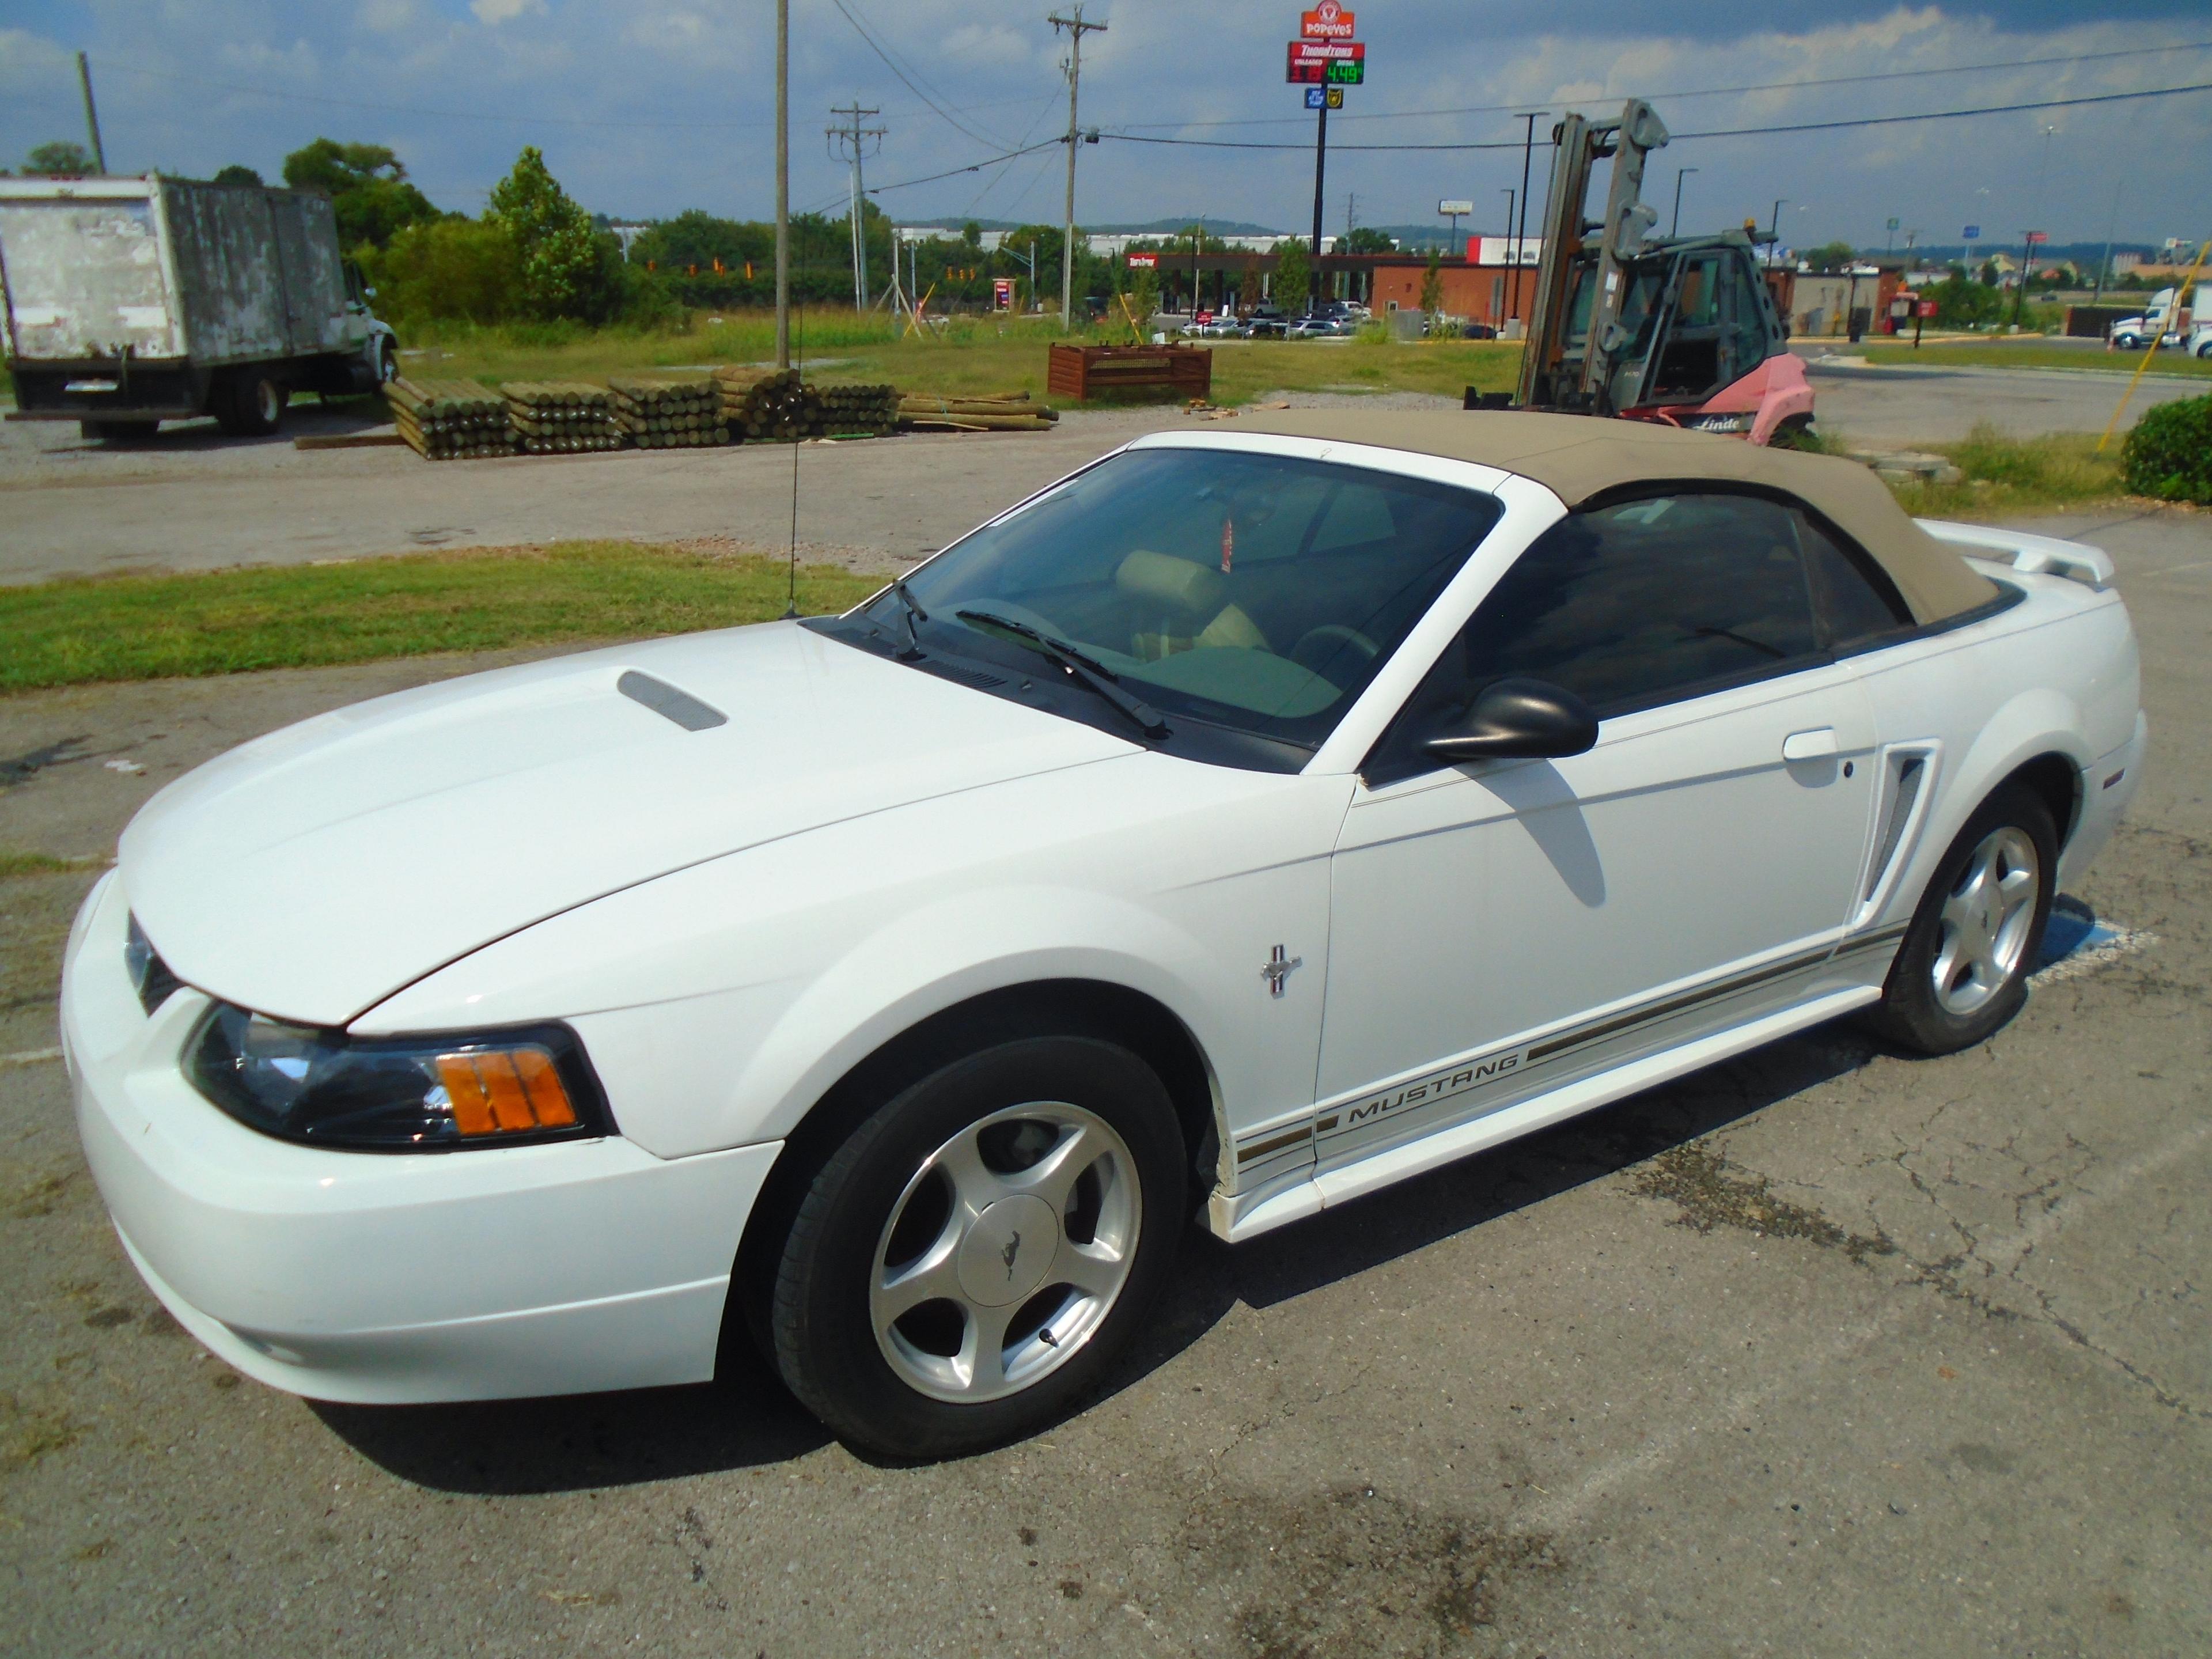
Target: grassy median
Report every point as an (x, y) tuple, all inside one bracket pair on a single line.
[(2026, 352), (228, 622)]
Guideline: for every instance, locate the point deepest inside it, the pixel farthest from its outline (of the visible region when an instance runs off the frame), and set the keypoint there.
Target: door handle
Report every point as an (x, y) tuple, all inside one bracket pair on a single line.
[(1817, 745)]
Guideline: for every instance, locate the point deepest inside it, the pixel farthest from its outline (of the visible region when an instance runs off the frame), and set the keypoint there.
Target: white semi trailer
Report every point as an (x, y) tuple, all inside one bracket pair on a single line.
[(136, 301)]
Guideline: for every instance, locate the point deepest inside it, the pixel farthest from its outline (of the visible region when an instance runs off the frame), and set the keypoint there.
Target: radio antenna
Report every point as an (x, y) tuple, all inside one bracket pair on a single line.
[(791, 603)]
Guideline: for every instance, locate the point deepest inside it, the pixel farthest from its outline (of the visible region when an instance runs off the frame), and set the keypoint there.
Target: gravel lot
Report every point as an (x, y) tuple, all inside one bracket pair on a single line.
[(1823, 1351)]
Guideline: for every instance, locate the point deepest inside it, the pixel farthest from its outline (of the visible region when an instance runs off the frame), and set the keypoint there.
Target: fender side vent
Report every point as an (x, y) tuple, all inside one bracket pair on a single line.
[(1911, 771), (665, 700)]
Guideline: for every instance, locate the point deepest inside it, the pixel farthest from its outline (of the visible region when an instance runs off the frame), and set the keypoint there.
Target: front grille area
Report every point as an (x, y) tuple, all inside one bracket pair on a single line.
[(149, 974)]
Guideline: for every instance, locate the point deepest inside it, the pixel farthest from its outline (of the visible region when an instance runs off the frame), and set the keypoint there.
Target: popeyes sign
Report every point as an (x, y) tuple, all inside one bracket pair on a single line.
[(1326, 21)]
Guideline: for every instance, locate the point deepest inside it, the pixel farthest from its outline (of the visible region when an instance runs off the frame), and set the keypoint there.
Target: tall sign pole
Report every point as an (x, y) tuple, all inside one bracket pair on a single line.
[(1077, 28), (783, 183), (1521, 229), (1325, 59)]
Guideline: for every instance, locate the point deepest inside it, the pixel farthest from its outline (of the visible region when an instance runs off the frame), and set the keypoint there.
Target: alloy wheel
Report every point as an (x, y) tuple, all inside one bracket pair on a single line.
[(1006, 1252), (1986, 921)]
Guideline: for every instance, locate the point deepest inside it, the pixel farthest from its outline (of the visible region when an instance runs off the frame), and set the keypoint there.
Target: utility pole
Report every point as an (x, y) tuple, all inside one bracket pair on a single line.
[(849, 142), (1680, 173), (783, 183), (1077, 28), (1774, 235), (1520, 232), (91, 115)]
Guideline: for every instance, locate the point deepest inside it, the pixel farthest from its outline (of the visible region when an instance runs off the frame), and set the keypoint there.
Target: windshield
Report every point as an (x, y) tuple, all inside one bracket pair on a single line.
[(1251, 592)]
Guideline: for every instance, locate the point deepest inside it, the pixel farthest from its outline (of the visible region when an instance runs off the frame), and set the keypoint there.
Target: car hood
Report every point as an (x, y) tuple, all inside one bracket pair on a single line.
[(314, 871)]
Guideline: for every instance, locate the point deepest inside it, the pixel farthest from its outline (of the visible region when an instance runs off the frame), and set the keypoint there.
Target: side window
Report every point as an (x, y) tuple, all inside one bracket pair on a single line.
[(1854, 600), (1628, 606)]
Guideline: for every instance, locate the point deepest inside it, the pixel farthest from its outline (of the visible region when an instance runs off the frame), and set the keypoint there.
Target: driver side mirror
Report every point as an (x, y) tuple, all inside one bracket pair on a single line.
[(1518, 719)]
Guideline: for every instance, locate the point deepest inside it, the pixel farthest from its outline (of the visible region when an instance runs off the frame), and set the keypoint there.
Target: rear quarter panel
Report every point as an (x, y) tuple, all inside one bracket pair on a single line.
[(2056, 673)]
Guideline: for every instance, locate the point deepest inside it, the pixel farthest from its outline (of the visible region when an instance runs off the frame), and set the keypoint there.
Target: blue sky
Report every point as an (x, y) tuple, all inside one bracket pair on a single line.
[(654, 106)]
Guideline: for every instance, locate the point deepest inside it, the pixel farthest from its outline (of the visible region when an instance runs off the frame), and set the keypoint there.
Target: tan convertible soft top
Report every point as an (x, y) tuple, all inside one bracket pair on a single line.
[(1579, 458)]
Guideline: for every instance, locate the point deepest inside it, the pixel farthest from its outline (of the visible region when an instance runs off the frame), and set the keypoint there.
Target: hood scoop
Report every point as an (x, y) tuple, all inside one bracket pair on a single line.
[(665, 700)]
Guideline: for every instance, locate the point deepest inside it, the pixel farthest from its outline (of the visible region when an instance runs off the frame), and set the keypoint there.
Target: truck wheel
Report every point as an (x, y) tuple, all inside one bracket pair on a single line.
[(386, 363), (255, 405)]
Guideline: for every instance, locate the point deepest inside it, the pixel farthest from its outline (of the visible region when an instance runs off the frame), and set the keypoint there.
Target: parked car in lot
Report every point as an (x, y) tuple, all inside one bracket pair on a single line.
[(1321, 328), (1222, 325), (1267, 322), (1248, 822)]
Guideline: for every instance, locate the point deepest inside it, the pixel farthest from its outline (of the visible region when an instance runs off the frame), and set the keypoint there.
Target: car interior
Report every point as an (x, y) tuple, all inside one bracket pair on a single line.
[(1259, 586)]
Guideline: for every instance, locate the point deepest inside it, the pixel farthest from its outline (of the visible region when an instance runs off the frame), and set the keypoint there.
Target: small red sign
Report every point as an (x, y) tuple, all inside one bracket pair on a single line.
[(1326, 21), (1143, 261), (1321, 51), (1927, 307), (2036, 236)]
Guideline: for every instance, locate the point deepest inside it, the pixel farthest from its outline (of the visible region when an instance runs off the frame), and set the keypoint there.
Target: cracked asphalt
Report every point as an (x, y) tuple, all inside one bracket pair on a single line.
[(1823, 1351)]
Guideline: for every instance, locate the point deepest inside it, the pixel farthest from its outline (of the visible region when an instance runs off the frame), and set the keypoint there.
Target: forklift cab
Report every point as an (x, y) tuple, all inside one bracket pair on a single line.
[(1696, 320)]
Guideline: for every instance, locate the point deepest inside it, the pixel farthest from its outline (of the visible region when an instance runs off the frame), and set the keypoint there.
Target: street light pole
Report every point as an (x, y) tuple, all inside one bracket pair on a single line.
[(1521, 234), (1679, 174), (1774, 235)]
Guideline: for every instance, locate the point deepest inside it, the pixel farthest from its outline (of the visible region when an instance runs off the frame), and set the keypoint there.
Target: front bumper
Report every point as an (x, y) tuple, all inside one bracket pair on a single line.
[(393, 1279)]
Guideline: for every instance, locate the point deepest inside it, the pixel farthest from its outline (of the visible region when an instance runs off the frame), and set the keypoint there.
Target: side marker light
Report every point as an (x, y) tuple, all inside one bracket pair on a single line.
[(504, 1091)]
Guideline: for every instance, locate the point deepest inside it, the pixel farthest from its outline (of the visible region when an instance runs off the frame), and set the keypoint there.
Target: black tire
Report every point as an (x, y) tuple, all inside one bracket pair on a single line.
[(822, 1318), (252, 405), (1913, 1013)]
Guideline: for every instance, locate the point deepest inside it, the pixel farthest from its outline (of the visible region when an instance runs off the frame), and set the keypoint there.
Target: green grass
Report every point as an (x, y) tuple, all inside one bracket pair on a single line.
[(2022, 351), (978, 354), (15, 864), (2008, 476), (228, 622)]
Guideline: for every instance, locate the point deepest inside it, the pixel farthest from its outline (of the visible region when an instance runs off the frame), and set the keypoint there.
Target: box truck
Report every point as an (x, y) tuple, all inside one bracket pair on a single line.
[(136, 301)]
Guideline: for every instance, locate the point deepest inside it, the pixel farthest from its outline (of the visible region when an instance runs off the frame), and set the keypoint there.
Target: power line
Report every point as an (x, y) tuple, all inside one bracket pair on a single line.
[(1701, 91), (1731, 132), (944, 114), (108, 67)]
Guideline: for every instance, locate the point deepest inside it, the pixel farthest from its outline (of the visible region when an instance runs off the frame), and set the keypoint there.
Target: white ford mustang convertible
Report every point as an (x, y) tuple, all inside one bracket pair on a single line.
[(1246, 822)]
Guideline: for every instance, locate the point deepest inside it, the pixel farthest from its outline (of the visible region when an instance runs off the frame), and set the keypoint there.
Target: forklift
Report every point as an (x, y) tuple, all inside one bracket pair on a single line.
[(1679, 330)]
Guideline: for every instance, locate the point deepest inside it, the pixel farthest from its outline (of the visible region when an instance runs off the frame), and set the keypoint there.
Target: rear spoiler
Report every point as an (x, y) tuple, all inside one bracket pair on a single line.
[(2033, 555)]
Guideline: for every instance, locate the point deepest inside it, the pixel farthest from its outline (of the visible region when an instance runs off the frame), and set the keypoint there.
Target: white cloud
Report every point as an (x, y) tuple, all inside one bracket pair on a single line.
[(492, 13)]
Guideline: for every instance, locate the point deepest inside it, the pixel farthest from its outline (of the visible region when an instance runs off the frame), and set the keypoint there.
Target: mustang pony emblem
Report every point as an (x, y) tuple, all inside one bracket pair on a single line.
[(1013, 1249), (1276, 969)]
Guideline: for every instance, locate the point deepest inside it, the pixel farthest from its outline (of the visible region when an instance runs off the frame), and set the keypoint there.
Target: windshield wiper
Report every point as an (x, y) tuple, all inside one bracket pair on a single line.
[(912, 613), (1078, 666)]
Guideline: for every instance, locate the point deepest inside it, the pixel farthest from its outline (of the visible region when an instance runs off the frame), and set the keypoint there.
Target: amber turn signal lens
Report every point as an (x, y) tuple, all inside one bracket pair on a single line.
[(505, 1091)]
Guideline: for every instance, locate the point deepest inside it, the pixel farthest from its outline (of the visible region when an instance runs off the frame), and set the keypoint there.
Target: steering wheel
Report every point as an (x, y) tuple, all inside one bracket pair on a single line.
[(1317, 646)]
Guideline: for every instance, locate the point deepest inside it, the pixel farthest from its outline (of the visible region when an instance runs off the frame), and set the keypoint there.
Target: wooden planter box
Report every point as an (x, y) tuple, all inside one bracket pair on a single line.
[(1078, 371)]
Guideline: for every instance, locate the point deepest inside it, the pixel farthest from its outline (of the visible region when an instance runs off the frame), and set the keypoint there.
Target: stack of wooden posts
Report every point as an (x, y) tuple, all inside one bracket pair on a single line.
[(845, 409), (668, 414), (763, 404), (561, 417), (1010, 412), (449, 420)]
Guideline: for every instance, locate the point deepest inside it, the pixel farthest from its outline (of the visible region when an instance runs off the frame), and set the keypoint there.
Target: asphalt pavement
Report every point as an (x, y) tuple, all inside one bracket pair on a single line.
[(191, 499), (1822, 1351)]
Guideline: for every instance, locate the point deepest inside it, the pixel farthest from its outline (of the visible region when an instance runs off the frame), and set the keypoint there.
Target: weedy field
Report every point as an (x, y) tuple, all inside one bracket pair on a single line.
[(972, 354)]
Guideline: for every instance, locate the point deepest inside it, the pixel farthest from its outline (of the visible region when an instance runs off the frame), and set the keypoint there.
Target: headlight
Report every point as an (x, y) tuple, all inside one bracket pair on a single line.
[(396, 1094)]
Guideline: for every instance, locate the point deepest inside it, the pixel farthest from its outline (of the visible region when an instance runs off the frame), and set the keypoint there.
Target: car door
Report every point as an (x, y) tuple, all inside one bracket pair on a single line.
[(1499, 928)]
